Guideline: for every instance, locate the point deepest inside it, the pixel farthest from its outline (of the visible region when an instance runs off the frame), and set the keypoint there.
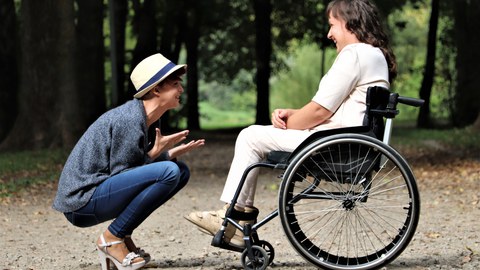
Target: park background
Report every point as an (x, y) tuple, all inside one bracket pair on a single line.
[(65, 62)]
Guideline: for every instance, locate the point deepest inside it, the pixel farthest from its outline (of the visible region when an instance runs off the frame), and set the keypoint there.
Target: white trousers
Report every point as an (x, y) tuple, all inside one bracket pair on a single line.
[(252, 145)]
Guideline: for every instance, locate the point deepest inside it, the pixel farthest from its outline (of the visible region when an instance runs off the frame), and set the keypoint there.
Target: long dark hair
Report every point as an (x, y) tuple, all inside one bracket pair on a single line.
[(363, 19)]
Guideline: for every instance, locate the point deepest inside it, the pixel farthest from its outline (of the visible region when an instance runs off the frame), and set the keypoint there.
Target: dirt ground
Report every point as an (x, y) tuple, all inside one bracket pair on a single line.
[(33, 236)]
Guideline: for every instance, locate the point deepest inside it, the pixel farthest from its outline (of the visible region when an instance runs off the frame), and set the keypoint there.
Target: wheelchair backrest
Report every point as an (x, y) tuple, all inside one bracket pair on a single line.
[(376, 105)]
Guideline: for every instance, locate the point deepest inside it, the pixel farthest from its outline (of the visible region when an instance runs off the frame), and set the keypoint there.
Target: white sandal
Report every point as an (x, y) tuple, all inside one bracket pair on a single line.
[(106, 258), (141, 252)]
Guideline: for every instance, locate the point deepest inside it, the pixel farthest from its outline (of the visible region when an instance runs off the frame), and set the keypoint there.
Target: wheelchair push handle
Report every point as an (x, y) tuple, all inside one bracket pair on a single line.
[(416, 102), (395, 98)]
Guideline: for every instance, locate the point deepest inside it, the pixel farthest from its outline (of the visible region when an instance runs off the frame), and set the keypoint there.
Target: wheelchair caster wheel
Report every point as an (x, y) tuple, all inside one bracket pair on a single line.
[(268, 248), (259, 261)]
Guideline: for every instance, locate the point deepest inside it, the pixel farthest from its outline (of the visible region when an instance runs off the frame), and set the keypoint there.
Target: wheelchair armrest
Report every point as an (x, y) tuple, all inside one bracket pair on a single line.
[(276, 157)]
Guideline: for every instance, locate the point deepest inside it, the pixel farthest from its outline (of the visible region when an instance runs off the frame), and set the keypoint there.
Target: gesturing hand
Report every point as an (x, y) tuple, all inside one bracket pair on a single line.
[(184, 148), (163, 143)]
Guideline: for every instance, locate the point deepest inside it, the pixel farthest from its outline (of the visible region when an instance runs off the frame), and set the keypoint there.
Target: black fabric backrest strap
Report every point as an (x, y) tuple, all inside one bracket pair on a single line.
[(376, 102)]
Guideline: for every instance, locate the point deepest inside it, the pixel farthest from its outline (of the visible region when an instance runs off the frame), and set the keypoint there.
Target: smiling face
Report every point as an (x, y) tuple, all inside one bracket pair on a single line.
[(170, 92), (339, 33)]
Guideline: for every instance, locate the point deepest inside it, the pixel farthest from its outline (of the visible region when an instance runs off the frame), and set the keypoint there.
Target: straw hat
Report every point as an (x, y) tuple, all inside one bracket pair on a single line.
[(151, 71)]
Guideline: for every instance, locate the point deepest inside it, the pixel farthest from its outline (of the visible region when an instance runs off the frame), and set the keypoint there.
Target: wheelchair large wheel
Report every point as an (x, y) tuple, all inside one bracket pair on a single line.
[(349, 201)]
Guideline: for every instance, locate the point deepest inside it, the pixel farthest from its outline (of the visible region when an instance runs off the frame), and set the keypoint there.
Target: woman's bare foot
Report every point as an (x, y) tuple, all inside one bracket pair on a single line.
[(130, 244), (133, 248)]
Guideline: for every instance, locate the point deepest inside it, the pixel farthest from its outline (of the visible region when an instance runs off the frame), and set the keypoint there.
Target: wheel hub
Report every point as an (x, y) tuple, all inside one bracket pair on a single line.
[(348, 204)]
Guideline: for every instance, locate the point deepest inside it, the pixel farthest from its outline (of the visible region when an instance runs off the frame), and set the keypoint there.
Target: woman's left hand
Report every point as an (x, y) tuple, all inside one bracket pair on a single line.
[(163, 143), (184, 148)]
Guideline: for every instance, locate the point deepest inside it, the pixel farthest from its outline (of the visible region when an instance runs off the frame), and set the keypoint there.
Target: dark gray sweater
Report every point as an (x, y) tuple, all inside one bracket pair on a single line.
[(115, 142)]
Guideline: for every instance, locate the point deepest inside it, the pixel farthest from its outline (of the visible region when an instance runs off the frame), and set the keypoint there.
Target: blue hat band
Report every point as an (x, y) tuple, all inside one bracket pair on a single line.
[(157, 76)]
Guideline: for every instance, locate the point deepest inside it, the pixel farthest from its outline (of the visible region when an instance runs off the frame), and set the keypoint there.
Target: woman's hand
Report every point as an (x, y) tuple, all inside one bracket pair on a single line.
[(184, 148), (280, 116), (163, 143)]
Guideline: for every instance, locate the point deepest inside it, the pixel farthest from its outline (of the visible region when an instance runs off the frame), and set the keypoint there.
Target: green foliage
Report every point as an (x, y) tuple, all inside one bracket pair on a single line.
[(21, 169), (409, 39), (239, 94), (295, 86), (230, 105), (409, 42), (446, 72), (466, 139), (214, 118)]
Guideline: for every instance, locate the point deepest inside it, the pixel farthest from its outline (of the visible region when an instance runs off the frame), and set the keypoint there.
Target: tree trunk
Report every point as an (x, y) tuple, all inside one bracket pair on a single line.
[(90, 59), (467, 23), (263, 45), (172, 38), (424, 120), (118, 15), (173, 19), (8, 66), (193, 33), (145, 27), (47, 76)]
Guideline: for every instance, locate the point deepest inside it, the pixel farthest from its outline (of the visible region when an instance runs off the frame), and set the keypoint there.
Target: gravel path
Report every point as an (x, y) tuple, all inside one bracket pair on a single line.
[(33, 236)]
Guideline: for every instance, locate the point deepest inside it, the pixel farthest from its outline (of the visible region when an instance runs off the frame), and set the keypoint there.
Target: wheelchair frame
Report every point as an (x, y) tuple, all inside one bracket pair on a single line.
[(347, 199)]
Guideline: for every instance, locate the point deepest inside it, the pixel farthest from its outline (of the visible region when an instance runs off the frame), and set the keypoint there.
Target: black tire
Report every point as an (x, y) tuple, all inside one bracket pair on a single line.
[(259, 262), (349, 201), (268, 248)]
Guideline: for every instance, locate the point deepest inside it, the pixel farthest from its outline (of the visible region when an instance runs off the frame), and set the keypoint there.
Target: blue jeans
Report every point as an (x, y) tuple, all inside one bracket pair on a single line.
[(131, 196)]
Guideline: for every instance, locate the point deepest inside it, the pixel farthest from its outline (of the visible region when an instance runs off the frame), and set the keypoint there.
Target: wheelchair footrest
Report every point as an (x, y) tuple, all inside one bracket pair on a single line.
[(218, 241)]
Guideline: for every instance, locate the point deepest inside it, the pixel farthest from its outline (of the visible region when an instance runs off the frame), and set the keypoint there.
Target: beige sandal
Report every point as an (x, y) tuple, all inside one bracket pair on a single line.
[(106, 258)]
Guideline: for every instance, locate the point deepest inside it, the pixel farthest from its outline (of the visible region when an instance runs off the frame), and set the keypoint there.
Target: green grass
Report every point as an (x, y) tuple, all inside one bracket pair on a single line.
[(219, 119), (461, 139), (19, 170)]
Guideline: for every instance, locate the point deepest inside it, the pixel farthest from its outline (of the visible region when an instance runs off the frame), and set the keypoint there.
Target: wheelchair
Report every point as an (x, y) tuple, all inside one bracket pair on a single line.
[(347, 200)]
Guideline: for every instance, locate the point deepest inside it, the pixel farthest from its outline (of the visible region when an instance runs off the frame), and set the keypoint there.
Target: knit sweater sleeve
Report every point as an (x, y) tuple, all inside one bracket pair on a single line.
[(112, 144)]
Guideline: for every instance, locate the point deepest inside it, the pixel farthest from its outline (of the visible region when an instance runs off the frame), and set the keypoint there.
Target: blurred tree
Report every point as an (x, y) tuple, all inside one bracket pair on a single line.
[(8, 66), (263, 46), (423, 120), (243, 25), (158, 26), (145, 30), (62, 76), (118, 11), (89, 63), (467, 94), (225, 51), (47, 96), (194, 18)]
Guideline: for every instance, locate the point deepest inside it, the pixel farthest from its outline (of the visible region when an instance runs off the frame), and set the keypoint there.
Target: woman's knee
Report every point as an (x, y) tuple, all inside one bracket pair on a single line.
[(184, 173), (168, 171), (252, 137), (176, 173)]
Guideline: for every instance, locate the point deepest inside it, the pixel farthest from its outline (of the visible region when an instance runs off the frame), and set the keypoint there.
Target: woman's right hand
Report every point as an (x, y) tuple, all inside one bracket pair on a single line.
[(279, 118), (164, 143)]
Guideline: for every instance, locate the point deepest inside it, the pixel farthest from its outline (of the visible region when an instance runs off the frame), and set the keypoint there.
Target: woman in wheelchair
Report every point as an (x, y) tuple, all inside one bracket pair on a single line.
[(364, 59)]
